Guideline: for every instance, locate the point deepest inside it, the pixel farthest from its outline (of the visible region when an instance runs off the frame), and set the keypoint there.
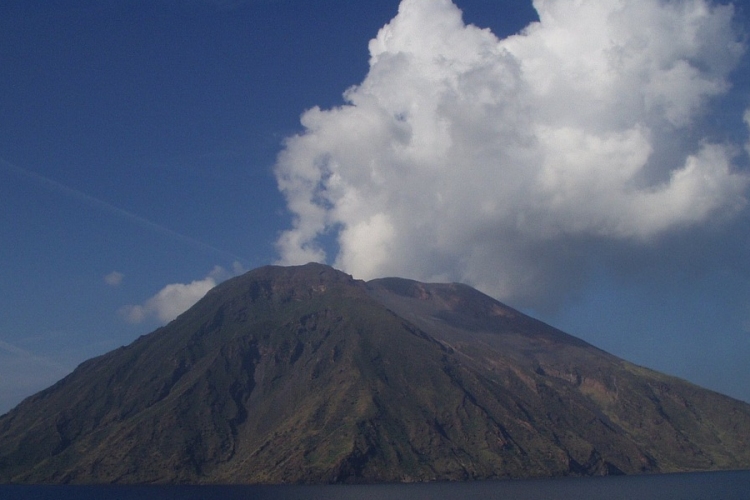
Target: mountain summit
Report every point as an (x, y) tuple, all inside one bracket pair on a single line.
[(303, 374)]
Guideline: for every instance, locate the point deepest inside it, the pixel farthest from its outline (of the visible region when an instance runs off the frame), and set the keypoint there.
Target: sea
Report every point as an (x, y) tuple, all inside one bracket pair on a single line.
[(734, 485)]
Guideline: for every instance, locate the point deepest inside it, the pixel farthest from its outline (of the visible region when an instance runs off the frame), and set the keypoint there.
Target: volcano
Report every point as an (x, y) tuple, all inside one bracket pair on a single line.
[(306, 375)]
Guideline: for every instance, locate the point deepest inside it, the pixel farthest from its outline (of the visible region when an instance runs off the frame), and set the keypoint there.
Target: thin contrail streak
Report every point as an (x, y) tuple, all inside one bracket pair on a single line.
[(109, 208), (28, 355)]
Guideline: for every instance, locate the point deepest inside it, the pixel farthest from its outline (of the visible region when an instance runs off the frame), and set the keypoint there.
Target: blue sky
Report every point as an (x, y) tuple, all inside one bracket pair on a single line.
[(591, 171)]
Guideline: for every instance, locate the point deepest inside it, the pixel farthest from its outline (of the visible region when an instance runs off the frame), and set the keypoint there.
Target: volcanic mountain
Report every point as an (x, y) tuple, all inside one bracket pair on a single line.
[(303, 374)]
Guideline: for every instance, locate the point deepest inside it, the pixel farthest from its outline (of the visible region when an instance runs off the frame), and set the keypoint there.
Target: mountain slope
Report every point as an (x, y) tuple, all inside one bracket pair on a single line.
[(303, 374)]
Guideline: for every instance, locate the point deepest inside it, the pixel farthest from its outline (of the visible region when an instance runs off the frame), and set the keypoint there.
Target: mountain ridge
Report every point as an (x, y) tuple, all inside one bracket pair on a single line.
[(304, 374)]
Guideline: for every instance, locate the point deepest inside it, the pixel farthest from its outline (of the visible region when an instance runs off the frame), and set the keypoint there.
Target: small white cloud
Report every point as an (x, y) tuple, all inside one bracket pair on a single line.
[(133, 314), (238, 268), (174, 299), (114, 278), (169, 302)]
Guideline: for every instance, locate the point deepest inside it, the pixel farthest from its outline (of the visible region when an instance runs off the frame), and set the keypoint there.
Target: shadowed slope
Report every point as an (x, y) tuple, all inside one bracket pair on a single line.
[(303, 374)]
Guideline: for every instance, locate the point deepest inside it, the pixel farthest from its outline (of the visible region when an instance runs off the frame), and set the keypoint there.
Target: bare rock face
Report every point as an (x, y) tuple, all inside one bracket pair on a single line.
[(303, 374)]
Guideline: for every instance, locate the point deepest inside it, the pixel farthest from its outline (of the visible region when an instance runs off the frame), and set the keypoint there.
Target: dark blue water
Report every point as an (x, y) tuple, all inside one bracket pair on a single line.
[(697, 486)]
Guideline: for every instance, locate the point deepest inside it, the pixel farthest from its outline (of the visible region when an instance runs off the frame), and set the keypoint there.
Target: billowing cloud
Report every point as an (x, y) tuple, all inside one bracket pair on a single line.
[(174, 299), (114, 278), (515, 164)]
